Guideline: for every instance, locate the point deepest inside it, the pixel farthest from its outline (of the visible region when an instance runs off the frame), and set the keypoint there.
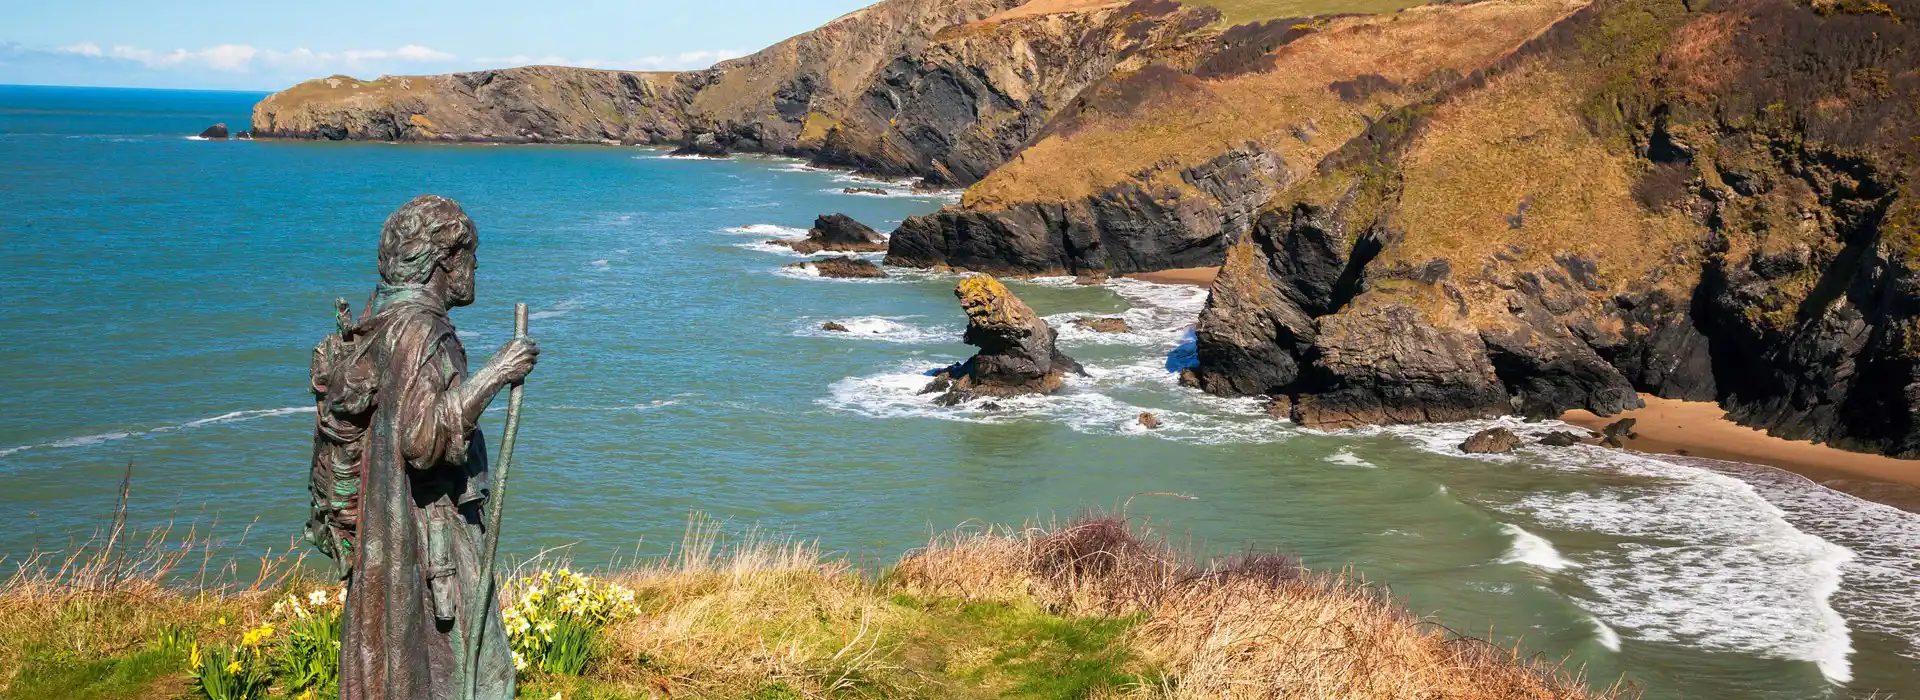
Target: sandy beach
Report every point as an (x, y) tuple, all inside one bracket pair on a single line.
[(1700, 429), (1197, 276)]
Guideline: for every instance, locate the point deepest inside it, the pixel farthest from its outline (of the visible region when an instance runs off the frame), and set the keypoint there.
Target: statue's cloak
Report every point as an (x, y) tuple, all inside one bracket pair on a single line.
[(415, 564)]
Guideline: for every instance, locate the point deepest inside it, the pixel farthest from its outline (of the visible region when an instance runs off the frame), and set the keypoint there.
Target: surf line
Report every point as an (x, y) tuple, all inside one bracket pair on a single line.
[(100, 438)]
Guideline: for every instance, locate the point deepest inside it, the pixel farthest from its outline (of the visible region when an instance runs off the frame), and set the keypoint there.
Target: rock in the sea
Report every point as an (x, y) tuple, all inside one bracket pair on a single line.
[(837, 233), (1491, 441), (243, 136), (1617, 433), (1017, 351), (1149, 421), (862, 190), (1561, 438), (841, 267), (705, 145), (1103, 325), (833, 326), (217, 132)]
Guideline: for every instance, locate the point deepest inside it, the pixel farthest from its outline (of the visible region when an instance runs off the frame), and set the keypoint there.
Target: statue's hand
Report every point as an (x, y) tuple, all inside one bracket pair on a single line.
[(516, 359)]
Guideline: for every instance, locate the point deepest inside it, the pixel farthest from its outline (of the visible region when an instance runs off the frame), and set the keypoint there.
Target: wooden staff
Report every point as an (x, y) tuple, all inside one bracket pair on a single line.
[(495, 504)]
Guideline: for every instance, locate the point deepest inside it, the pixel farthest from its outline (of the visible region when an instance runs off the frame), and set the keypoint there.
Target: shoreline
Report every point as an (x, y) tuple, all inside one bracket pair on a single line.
[(1701, 429)]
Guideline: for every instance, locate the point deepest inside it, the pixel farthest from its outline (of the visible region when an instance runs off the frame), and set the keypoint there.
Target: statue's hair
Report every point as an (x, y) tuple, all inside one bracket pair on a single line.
[(419, 235)]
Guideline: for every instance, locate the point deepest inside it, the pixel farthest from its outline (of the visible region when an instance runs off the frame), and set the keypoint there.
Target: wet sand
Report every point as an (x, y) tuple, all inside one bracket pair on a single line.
[(1197, 276), (1700, 429)]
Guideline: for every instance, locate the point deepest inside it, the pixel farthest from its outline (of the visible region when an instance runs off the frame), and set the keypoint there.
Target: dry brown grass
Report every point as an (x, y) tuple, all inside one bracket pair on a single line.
[(120, 591), (1516, 152), (978, 613), (1206, 118), (1255, 626)]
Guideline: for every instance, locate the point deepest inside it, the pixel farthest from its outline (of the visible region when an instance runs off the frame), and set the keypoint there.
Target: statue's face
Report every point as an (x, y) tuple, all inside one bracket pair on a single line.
[(460, 270)]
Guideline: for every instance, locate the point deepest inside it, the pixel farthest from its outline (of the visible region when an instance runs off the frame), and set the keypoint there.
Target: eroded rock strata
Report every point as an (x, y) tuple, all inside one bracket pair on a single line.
[(1705, 203), (1017, 353)]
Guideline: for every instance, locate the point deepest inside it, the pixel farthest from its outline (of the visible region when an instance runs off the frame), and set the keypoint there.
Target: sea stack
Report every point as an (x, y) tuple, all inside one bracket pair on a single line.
[(1017, 351), (837, 233), (217, 132)]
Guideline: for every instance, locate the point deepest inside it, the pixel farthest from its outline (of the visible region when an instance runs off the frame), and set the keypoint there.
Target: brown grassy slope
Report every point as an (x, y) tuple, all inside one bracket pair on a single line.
[(1234, 12), (556, 104), (1289, 108), (1090, 609)]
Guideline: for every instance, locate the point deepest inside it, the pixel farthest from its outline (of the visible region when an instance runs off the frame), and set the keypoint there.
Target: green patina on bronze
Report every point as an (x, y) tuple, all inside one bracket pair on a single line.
[(399, 479)]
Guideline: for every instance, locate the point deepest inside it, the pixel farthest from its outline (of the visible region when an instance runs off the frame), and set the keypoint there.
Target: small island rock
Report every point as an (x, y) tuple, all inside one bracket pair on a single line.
[(1561, 438), (1017, 351), (217, 132), (1149, 421), (862, 190), (842, 268), (837, 233), (1491, 441), (833, 326), (1103, 325)]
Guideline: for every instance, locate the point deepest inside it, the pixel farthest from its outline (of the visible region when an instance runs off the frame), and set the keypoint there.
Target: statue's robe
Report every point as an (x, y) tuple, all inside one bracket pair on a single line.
[(416, 562)]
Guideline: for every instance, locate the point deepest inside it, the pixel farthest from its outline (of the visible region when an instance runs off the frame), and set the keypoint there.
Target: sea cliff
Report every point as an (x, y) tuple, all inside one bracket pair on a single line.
[(1434, 213)]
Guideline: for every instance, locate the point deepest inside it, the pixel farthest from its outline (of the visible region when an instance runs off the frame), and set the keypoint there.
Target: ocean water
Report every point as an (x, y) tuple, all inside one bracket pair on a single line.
[(163, 293)]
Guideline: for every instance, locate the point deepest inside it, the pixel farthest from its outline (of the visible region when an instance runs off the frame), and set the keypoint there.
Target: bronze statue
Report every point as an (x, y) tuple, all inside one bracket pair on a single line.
[(399, 474)]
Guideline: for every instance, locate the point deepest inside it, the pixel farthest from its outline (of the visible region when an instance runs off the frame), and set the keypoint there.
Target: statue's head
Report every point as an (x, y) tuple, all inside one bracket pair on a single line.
[(426, 237)]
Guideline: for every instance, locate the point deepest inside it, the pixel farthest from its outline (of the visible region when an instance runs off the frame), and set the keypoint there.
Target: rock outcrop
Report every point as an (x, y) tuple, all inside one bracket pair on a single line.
[(841, 267), (1714, 204), (705, 146), (1017, 352), (1491, 441), (1112, 324), (837, 233), (217, 132)]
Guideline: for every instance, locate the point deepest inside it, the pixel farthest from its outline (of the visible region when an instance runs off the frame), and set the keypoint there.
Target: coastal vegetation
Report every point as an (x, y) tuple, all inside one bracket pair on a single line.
[(1096, 607)]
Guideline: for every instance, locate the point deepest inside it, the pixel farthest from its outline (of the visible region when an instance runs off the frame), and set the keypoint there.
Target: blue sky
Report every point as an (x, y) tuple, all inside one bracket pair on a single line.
[(255, 46)]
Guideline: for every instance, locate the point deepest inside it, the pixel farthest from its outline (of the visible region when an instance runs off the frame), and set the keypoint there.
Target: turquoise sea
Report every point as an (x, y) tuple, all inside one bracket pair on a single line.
[(162, 294)]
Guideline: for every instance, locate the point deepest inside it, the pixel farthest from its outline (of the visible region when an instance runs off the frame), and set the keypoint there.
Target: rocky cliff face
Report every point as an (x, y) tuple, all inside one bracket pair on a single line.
[(1165, 161), (518, 105), (1706, 204), (935, 89)]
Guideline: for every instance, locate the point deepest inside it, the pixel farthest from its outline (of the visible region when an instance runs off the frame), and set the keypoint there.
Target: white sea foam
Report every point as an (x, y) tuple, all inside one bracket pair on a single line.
[(1346, 457), (1604, 634), (1532, 550), (1878, 584), (247, 415), (1080, 405), (808, 271), (100, 438), (892, 329), (600, 263), (767, 230), (559, 308), (1705, 560)]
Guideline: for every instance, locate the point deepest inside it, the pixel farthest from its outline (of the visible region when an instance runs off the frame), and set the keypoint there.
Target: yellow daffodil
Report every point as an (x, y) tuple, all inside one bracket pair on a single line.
[(193, 660), (233, 667)]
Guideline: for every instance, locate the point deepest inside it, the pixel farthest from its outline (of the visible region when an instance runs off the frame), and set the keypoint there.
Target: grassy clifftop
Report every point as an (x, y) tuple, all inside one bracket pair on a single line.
[(1088, 609)]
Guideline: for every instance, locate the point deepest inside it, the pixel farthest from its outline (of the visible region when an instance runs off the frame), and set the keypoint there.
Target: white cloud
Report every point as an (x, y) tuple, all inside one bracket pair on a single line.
[(241, 58)]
